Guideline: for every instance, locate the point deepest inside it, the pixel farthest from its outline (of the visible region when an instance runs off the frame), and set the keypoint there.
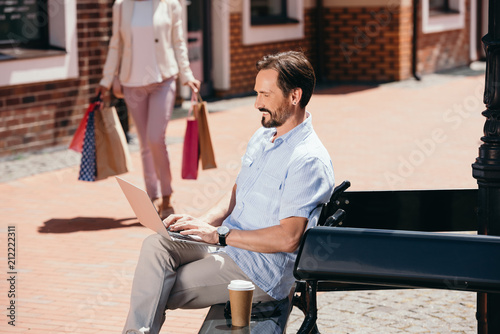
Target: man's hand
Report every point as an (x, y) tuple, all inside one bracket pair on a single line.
[(189, 225)]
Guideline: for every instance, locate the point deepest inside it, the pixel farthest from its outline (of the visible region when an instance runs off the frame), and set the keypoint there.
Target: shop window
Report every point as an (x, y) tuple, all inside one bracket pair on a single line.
[(266, 21), (440, 7), (265, 12), (38, 41), (24, 24), (442, 15)]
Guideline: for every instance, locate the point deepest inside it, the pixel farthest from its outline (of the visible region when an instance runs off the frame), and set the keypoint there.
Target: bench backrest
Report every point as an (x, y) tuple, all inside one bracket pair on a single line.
[(400, 258), (415, 210)]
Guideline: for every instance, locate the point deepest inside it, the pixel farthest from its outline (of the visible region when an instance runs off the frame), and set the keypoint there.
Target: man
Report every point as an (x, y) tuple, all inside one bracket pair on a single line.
[(286, 173)]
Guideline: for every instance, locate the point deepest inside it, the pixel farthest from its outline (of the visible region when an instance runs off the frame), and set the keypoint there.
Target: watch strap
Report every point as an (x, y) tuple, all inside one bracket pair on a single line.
[(222, 239)]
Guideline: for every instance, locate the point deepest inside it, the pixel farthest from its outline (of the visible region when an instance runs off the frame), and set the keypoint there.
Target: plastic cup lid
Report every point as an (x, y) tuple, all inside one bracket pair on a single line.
[(241, 285)]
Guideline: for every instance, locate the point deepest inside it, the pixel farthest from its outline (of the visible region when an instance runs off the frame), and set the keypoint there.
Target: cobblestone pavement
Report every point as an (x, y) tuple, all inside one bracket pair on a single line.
[(77, 243), (393, 311)]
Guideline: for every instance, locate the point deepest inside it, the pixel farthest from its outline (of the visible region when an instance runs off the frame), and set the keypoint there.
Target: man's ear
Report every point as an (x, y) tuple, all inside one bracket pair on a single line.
[(296, 95)]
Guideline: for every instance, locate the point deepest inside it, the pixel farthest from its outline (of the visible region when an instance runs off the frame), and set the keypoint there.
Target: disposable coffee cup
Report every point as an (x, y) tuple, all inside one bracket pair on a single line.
[(240, 297)]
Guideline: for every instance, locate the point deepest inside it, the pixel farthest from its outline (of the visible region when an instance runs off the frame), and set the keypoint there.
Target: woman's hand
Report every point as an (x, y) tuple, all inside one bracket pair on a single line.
[(194, 85), (101, 90), (186, 224)]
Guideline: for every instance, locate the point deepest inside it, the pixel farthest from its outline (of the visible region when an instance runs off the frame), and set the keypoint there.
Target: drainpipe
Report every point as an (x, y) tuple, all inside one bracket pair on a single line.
[(414, 62), (479, 28), (320, 47)]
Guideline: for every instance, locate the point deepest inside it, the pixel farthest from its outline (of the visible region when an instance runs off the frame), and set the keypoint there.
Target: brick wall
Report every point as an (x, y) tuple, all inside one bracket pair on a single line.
[(371, 44), (443, 50), (35, 116), (244, 57), (368, 44)]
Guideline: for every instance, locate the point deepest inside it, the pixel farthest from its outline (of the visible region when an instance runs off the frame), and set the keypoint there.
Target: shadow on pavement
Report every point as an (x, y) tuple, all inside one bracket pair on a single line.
[(78, 224), (475, 69)]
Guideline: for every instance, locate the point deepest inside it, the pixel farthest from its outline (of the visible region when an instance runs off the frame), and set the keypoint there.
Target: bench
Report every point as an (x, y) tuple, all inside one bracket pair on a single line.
[(325, 261), (394, 259)]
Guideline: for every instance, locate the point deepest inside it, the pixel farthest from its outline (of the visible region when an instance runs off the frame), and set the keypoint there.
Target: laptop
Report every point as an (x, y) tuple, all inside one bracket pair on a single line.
[(149, 217)]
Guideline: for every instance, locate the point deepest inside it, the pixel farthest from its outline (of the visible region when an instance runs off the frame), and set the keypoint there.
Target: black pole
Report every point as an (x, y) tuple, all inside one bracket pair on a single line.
[(486, 169), (320, 44)]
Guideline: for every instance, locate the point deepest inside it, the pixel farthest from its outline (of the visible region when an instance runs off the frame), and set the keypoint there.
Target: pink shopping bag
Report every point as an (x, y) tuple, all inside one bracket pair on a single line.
[(190, 151)]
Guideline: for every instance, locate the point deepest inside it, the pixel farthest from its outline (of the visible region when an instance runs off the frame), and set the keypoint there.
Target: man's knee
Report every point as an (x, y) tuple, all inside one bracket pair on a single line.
[(157, 245), (151, 243)]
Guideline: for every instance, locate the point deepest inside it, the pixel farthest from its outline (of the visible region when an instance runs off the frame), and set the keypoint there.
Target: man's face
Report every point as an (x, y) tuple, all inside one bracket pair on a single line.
[(275, 108)]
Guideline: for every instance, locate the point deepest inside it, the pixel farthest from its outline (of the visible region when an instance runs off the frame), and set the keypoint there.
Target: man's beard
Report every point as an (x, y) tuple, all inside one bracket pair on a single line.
[(277, 117)]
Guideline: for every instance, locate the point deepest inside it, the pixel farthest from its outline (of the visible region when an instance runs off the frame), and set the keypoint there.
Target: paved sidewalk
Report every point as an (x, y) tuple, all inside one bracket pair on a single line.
[(77, 243)]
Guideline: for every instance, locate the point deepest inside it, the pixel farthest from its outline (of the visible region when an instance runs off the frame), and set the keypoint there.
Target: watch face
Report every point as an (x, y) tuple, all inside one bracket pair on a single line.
[(222, 230)]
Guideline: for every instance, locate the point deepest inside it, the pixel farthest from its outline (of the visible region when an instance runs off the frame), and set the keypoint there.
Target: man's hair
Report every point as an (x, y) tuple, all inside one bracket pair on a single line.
[(294, 71)]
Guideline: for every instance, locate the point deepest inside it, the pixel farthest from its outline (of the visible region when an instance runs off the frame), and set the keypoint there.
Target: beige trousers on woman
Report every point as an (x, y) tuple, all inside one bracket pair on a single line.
[(171, 275), (151, 108)]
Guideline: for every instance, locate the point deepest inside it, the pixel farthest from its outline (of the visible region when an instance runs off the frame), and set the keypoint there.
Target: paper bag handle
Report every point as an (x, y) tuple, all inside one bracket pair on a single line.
[(194, 101)]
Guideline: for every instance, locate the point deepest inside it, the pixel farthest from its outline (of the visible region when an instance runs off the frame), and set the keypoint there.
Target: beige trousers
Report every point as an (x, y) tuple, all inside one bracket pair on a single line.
[(151, 108), (172, 275)]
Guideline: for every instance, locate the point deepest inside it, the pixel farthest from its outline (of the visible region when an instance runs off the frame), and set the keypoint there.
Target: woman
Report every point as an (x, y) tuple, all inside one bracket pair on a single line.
[(148, 52)]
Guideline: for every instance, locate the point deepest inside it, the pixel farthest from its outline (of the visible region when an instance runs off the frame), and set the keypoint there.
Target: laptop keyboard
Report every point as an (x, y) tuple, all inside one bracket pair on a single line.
[(179, 236)]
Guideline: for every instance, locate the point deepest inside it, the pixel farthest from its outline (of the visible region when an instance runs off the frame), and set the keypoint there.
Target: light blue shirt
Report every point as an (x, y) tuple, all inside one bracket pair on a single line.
[(289, 177)]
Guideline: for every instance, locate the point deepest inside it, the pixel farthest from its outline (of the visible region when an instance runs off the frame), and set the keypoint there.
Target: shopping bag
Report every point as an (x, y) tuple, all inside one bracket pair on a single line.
[(207, 155), (190, 153), (77, 141), (87, 164), (112, 153)]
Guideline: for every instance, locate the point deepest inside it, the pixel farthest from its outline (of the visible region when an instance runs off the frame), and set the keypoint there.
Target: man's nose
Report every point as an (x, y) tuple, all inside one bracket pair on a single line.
[(258, 103)]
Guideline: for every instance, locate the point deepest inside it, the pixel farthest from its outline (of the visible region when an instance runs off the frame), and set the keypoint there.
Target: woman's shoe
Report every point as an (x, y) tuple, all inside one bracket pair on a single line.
[(166, 207)]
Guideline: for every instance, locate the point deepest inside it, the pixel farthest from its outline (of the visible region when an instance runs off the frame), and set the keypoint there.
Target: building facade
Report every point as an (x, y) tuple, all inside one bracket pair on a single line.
[(51, 55)]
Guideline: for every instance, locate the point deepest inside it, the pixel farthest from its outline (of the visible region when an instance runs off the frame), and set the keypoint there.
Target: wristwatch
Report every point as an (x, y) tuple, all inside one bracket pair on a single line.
[(223, 231)]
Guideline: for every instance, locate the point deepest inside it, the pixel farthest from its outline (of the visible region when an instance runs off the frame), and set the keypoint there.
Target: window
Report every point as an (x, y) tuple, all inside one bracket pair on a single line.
[(440, 7), (269, 12), (442, 15), (438, 4), (267, 21), (24, 23), (43, 47)]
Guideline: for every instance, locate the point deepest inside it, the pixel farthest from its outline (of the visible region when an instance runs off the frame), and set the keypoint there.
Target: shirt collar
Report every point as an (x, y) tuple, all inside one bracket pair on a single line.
[(294, 136)]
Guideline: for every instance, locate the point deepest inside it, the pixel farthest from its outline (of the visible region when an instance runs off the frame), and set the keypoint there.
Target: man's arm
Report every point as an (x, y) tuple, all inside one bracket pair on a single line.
[(205, 224), (284, 237)]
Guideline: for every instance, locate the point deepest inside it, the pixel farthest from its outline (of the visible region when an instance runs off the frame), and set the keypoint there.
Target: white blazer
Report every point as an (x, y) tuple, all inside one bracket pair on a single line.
[(170, 46)]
